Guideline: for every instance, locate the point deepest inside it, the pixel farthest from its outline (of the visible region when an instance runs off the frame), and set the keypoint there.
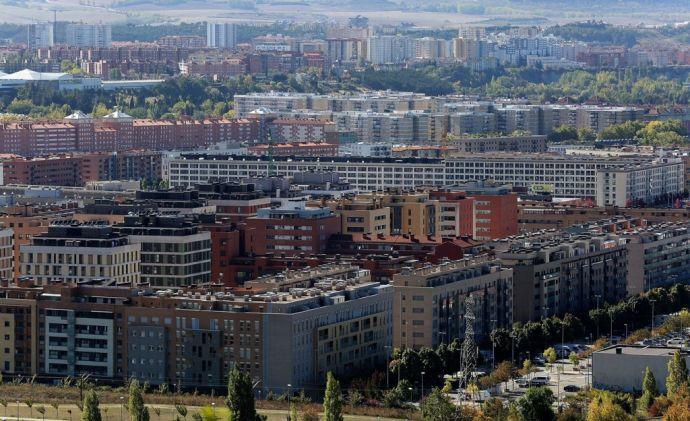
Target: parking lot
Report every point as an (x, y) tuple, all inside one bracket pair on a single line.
[(561, 382)]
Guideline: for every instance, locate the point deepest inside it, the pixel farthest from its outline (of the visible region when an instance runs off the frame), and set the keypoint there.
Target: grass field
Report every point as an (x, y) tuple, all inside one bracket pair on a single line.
[(110, 412), (41, 395)]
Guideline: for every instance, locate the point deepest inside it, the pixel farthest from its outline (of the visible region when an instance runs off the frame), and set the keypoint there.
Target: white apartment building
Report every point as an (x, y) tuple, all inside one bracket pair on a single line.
[(640, 184), (221, 35), (389, 49), (40, 35), (75, 252), (566, 176), (79, 342), (88, 35)]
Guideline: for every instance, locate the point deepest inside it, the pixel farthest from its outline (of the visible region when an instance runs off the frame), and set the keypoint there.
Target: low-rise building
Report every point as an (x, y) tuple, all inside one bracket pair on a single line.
[(622, 367)]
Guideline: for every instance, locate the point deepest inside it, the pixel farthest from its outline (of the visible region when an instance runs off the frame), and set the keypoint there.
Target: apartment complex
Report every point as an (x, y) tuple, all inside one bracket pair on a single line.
[(415, 117), (640, 184), (77, 169), (524, 144), (658, 255), (40, 35), (364, 215), (80, 252), (290, 230), (558, 273), (337, 320), (119, 132), (174, 251), (563, 176), (431, 303), (221, 35), (88, 35)]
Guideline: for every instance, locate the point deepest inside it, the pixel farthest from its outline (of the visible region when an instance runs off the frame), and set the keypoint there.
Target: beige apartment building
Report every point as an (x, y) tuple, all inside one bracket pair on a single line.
[(430, 303), (364, 215), (410, 212)]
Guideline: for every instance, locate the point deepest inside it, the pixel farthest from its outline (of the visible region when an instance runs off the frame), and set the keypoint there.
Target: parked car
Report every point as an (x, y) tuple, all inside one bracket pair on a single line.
[(572, 388)]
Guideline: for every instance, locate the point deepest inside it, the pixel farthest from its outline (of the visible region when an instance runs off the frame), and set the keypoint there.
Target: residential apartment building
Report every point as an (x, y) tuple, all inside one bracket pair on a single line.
[(525, 144), (658, 255), (337, 321), (563, 176), (558, 273), (364, 215), (174, 251), (301, 130), (234, 202), (120, 132), (431, 303), (6, 253), (80, 252), (641, 184), (221, 35), (19, 341), (291, 230), (88, 35), (78, 169), (40, 35)]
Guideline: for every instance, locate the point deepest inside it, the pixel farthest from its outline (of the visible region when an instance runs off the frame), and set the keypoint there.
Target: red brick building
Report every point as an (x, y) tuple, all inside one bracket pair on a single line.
[(79, 169), (290, 230), (120, 132), (226, 244)]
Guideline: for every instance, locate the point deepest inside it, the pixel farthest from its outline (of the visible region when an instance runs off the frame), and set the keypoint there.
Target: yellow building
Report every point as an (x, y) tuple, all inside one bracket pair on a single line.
[(364, 215)]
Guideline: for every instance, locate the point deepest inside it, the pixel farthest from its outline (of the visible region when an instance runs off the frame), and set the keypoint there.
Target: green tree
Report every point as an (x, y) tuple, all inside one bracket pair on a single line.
[(333, 400), (550, 355), (649, 391), (494, 409), (438, 407), (535, 405), (241, 397), (574, 359), (563, 134), (90, 411), (135, 405), (677, 374), (604, 408)]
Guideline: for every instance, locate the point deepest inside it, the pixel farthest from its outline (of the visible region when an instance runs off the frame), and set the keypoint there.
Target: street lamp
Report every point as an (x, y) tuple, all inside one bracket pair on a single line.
[(388, 366), (611, 328), (213, 405), (122, 398), (652, 301), (422, 397), (289, 386), (598, 297), (563, 337), (493, 346)]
